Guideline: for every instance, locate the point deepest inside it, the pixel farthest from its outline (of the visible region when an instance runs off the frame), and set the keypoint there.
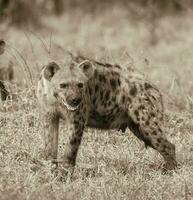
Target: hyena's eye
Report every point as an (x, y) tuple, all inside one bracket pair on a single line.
[(80, 85), (63, 85)]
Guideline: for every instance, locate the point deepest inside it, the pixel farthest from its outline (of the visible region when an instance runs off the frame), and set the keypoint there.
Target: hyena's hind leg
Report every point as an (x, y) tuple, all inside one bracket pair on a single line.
[(147, 127)]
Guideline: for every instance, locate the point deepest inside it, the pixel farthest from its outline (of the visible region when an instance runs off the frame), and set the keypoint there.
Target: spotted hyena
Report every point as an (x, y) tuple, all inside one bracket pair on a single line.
[(103, 96)]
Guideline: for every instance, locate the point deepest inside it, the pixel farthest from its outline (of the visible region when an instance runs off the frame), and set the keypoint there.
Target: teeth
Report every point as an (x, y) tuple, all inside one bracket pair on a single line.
[(69, 107)]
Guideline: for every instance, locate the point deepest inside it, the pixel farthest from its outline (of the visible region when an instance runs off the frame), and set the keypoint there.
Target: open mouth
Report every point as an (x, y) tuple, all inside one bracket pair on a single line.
[(69, 107)]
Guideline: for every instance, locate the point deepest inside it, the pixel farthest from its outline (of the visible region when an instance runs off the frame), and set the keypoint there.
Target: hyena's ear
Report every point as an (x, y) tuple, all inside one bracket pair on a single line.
[(87, 68), (49, 70)]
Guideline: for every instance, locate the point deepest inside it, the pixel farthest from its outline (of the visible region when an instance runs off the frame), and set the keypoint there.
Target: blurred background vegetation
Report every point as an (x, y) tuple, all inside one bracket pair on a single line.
[(22, 12)]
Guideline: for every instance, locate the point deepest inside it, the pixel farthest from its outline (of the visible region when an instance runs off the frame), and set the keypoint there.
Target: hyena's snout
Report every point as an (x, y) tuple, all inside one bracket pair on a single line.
[(73, 101)]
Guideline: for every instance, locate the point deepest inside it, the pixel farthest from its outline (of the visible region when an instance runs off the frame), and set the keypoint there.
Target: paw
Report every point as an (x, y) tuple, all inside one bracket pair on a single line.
[(63, 174), (170, 165), (48, 155)]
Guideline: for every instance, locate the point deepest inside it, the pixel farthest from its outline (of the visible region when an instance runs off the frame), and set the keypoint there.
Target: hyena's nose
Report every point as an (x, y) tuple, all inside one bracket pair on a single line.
[(75, 101)]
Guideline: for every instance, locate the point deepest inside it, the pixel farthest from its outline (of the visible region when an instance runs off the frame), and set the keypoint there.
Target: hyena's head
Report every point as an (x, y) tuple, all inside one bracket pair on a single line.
[(67, 83)]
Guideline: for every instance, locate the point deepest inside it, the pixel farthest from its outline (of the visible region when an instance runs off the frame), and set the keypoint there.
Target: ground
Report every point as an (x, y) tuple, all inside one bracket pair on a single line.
[(110, 164)]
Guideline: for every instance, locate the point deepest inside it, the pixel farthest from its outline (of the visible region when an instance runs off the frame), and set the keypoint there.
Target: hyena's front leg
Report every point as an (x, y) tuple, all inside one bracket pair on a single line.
[(51, 124), (76, 128)]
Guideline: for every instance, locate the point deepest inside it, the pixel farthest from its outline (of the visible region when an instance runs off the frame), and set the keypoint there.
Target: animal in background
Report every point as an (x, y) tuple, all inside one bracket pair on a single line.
[(6, 72)]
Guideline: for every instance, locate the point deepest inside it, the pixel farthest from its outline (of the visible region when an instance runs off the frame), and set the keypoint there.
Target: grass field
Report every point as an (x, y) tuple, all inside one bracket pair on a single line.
[(110, 165)]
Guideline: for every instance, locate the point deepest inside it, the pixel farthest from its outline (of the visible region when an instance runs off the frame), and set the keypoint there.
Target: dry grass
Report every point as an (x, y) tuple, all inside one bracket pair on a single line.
[(110, 165)]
